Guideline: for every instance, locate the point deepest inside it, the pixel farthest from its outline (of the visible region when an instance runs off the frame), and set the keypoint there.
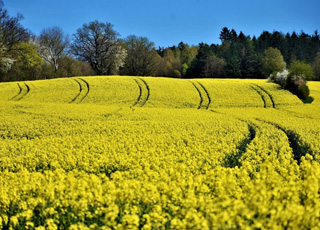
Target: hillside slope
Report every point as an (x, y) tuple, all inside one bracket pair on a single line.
[(158, 153), (150, 92)]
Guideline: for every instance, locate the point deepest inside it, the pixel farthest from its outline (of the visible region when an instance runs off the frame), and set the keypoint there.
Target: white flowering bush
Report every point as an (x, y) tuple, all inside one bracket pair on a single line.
[(280, 78), (296, 84)]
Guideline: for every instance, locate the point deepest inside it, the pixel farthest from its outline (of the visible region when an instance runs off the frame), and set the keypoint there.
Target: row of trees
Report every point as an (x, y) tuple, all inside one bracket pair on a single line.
[(97, 49), (24, 56), (241, 56)]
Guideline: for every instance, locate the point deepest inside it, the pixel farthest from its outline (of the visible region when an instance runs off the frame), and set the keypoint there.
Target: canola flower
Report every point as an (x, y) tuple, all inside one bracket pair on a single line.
[(145, 160)]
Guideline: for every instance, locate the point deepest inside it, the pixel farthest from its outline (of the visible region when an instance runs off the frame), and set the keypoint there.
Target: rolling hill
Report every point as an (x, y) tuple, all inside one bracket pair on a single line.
[(117, 152)]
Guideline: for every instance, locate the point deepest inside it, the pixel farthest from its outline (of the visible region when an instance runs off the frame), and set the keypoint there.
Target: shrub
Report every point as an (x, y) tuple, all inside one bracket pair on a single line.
[(185, 68), (177, 74), (316, 67), (303, 91), (300, 68), (296, 84), (280, 78)]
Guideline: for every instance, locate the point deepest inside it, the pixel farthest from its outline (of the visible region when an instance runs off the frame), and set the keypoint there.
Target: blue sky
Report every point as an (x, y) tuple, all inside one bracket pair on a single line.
[(167, 22)]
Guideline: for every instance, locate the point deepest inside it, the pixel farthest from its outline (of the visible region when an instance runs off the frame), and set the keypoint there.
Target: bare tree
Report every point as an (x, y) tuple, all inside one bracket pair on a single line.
[(12, 32), (97, 43), (52, 45)]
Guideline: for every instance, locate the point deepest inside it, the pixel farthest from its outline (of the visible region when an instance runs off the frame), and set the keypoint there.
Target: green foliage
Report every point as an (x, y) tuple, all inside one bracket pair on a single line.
[(297, 85), (27, 64), (250, 61), (141, 59), (242, 59), (303, 91), (299, 73), (70, 67), (214, 67), (272, 61), (176, 58), (228, 36), (309, 100), (98, 44), (280, 78), (316, 67), (233, 67), (300, 68), (187, 53), (177, 73), (197, 66), (169, 63), (185, 68)]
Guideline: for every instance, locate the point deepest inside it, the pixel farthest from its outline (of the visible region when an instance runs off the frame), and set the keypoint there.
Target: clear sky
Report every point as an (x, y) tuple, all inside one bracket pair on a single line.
[(167, 22)]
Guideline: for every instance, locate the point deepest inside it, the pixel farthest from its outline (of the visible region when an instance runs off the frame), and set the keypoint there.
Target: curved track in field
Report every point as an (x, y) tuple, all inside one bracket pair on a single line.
[(260, 94), (84, 89), (140, 93), (205, 99), (269, 95), (231, 161), (17, 95), (22, 93), (299, 149), (80, 89), (148, 91), (144, 92), (207, 94), (201, 99), (87, 90)]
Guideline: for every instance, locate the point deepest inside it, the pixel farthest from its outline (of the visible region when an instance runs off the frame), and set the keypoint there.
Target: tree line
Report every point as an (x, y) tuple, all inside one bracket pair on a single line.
[(97, 49)]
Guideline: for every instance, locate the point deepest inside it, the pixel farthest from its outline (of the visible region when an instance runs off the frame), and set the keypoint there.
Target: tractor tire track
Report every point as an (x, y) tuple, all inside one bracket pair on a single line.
[(269, 95), (17, 95), (140, 93), (87, 92), (22, 95), (148, 92), (201, 99), (144, 92), (299, 148), (261, 95), (231, 161), (83, 91), (80, 90), (207, 93), (205, 99)]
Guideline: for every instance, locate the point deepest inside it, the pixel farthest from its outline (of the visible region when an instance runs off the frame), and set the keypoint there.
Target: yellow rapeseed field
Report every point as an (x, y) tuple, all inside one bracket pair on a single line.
[(155, 153)]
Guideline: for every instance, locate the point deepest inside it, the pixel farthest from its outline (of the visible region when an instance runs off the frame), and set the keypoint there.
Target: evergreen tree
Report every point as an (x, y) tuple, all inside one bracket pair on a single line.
[(197, 65), (316, 67)]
